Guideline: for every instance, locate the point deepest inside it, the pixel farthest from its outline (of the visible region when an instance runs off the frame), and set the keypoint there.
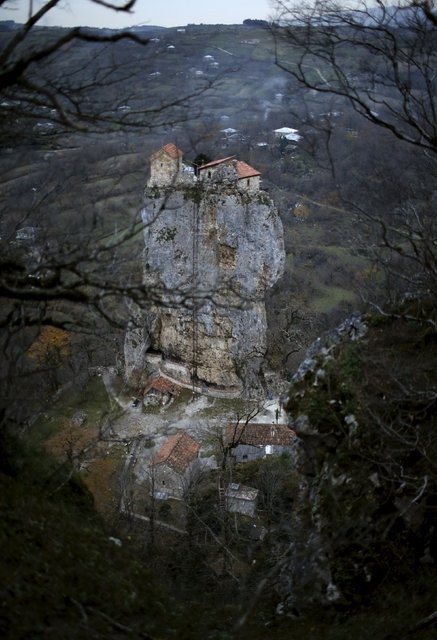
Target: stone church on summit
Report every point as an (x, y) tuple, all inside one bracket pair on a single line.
[(167, 169)]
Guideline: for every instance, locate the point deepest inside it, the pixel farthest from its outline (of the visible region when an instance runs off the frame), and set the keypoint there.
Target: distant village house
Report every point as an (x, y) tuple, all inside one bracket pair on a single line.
[(289, 134)]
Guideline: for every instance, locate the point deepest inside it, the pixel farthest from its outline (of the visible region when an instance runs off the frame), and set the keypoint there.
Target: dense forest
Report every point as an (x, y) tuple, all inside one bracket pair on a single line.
[(343, 541)]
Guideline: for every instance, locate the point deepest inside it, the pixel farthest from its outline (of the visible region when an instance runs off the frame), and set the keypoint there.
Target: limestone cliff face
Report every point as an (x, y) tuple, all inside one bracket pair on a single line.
[(136, 344), (214, 250)]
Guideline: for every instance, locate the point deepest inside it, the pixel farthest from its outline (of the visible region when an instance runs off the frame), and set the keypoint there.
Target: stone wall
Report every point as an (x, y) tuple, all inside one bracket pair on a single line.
[(164, 170)]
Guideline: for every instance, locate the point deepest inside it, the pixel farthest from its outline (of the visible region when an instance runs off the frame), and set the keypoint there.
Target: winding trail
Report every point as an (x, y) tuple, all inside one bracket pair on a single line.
[(108, 374)]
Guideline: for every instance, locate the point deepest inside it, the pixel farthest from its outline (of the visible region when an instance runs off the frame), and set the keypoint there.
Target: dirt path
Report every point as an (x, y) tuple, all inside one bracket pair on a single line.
[(108, 375)]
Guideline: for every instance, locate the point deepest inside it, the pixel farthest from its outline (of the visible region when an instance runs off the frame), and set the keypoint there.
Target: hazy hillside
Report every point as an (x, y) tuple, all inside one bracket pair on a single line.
[(216, 79)]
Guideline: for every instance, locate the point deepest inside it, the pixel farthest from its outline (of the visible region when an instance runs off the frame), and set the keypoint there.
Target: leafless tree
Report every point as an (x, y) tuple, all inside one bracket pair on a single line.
[(74, 269), (378, 59), (66, 89), (224, 440), (33, 82)]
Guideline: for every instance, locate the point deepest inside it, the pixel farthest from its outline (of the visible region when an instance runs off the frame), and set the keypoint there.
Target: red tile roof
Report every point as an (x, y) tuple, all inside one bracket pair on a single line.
[(259, 434), (161, 384), (177, 452), (244, 170), (172, 150)]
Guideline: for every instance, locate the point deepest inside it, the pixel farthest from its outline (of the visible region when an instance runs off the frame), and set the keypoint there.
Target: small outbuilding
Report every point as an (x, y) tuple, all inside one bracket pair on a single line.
[(241, 499), (159, 391)]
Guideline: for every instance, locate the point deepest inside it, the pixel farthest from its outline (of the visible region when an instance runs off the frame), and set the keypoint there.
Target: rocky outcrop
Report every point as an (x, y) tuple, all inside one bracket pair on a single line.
[(136, 344), (212, 251), (363, 407)]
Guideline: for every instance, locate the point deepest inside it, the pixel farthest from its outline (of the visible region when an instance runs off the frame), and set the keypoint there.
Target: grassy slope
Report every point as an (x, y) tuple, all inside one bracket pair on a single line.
[(61, 576)]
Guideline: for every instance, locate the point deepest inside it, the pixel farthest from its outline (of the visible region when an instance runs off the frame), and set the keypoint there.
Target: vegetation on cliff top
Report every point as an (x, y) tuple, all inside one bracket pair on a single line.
[(371, 450)]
